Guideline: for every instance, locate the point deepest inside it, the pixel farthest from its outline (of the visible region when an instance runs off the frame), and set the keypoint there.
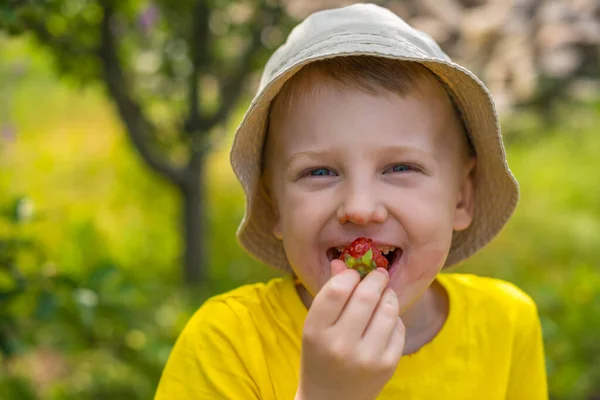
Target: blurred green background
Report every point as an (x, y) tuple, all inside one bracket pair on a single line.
[(93, 285)]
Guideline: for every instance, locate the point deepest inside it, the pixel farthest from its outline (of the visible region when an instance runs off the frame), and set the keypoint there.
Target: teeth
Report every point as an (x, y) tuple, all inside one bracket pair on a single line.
[(340, 249), (386, 249)]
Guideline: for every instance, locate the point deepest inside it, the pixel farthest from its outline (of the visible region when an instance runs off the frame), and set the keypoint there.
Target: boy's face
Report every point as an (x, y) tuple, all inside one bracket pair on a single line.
[(344, 163)]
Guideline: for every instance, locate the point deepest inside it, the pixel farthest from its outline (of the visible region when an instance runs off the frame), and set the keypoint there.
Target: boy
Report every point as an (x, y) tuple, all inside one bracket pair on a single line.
[(363, 127)]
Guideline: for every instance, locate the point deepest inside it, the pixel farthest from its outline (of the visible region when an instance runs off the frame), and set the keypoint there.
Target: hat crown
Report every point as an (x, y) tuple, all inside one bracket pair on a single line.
[(361, 19), (366, 14)]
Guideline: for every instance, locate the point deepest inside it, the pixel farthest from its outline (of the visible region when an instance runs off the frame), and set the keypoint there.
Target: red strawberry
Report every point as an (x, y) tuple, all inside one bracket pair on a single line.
[(363, 256)]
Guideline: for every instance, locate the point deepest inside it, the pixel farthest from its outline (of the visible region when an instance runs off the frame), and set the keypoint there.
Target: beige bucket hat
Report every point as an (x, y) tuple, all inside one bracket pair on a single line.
[(367, 29)]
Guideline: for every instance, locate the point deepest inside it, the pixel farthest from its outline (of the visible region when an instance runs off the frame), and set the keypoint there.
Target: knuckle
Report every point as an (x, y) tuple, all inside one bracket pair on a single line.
[(339, 351), (369, 364), (367, 297), (389, 310), (389, 362), (336, 291), (311, 336), (391, 297), (308, 336), (366, 362), (400, 326)]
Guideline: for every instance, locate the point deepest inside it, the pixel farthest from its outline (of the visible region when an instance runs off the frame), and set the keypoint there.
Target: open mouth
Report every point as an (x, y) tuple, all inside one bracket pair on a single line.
[(391, 254)]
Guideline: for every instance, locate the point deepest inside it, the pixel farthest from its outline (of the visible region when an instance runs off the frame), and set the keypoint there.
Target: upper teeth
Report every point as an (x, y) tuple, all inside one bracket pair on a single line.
[(383, 249), (386, 249)]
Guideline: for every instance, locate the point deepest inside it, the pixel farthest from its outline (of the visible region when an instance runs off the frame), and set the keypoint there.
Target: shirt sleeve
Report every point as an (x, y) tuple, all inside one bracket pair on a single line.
[(528, 369), (208, 359)]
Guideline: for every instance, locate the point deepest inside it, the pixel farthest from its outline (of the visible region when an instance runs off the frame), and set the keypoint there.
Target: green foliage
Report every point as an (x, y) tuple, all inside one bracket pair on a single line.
[(157, 43), (12, 282), (174, 71), (99, 321), (13, 13)]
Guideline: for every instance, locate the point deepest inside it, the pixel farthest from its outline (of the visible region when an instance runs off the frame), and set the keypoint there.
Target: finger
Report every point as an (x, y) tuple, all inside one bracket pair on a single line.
[(395, 346), (331, 299), (382, 325), (337, 267), (362, 303)]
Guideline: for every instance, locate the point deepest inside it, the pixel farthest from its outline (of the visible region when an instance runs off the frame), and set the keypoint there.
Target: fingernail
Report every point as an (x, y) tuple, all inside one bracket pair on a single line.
[(383, 271)]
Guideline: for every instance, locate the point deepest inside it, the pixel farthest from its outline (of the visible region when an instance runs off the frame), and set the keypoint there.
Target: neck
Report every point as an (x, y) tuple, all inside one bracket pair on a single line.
[(425, 318)]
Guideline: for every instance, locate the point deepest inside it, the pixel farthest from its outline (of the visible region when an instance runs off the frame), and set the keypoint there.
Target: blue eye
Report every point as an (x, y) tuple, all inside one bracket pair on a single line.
[(322, 172), (401, 168)]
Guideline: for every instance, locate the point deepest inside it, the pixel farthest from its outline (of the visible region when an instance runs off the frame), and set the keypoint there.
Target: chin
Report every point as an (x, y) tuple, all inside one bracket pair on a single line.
[(411, 280), (408, 296)]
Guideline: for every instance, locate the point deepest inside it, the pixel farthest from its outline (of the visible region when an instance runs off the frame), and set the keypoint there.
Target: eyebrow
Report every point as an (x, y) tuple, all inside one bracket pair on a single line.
[(398, 149), (406, 149), (304, 154)]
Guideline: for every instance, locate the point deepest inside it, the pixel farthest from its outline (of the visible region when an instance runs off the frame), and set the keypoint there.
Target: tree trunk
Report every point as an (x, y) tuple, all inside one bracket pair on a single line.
[(193, 224)]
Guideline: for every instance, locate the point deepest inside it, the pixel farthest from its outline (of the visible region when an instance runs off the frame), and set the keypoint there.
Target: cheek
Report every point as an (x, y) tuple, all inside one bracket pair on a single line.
[(303, 215), (427, 218)]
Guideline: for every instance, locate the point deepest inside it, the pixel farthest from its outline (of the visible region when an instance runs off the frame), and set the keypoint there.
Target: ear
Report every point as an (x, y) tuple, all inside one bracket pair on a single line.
[(277, 228), (465, 205), (277, 231)]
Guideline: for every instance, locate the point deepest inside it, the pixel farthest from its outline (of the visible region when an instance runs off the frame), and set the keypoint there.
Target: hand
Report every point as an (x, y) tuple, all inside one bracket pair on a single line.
[(353, 338)]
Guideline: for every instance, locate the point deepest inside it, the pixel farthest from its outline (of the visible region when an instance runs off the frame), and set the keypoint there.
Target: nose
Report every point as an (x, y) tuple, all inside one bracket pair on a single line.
[(361, 205)]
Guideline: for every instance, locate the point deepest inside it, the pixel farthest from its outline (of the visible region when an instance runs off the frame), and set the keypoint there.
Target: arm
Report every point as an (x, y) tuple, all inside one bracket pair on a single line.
[(209, 359), (528, 369)]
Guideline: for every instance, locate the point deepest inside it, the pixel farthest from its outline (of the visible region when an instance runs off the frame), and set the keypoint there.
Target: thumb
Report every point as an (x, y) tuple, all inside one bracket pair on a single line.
[(337, 267)]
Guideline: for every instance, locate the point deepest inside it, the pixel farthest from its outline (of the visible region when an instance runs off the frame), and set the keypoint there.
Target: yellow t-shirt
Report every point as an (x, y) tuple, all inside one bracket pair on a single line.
[(245, 344)]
